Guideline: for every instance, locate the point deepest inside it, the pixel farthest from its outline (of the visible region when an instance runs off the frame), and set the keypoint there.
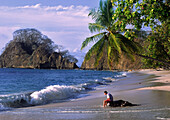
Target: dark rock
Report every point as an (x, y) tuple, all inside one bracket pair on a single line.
[(121, 103), (16, 57), (33, 52)]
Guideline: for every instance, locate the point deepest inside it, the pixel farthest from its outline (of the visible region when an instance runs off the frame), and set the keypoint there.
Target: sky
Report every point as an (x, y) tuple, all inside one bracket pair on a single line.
[(64, 21)]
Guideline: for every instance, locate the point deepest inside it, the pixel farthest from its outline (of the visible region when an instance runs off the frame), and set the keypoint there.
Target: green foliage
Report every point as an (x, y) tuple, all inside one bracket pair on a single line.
[(108, 37), (139, 13), (149, 13), (31, 39), (158, 46), (92, 39)]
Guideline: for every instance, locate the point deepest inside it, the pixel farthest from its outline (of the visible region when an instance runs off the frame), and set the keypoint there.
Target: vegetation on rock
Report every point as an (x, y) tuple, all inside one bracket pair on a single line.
[(31, 49)]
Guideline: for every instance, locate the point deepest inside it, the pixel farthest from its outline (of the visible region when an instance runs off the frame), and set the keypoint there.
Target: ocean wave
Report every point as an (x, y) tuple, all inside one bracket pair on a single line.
[(116, 76), (109, 79), (92, 84), (2, 107), (119, 74), (54, 93), (161, 118), (14, 101), (49, 94)]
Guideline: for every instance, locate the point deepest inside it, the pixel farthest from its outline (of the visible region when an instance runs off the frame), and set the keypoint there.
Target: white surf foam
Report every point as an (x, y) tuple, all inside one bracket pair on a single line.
[(161, 118), (2, 107), (53, 92), (109, 78), (111, 111), (120, 74)]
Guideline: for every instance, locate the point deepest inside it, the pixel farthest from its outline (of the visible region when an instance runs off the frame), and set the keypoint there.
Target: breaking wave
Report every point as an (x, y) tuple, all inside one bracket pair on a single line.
[(120, 74), (116, 76), (52, 93), (55, 92)]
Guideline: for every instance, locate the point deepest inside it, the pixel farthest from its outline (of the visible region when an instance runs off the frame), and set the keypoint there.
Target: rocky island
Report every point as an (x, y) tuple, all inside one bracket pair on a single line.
[(31, 49)]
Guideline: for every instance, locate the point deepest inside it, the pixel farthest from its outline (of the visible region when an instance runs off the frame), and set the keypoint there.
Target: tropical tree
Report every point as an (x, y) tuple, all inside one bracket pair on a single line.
[(108, 37), (157, 45), (140, 13), (145, 13)]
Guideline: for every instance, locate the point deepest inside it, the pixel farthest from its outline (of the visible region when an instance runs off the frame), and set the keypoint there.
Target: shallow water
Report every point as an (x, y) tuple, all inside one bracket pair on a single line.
[(89, 113), (30, 87)]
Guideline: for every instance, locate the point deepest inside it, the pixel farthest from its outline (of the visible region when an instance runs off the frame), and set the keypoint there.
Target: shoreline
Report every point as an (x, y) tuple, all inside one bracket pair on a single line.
[(139, 87), (162, 77)]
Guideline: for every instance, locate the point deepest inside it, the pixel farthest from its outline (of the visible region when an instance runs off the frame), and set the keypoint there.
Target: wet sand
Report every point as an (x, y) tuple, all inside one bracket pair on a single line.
[(143, 87), (162, 77)]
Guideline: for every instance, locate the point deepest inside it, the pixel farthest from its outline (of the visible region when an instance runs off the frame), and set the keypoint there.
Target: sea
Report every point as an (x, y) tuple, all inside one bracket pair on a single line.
[(32, 87)]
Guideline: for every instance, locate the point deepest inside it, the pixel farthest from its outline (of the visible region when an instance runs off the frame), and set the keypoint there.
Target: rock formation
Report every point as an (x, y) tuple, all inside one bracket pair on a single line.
[(27, 50), (121, 103)]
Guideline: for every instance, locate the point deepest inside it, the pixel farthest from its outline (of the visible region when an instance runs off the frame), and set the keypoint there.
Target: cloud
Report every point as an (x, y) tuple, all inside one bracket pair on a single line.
[(31, 7), (65, 25), (6, 36)]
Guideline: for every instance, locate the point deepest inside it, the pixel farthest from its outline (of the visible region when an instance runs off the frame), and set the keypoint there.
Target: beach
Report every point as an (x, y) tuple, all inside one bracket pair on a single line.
[(147, 88)]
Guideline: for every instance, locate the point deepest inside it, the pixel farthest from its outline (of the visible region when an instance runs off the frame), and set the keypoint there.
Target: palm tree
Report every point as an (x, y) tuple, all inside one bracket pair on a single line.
[(107, 36)]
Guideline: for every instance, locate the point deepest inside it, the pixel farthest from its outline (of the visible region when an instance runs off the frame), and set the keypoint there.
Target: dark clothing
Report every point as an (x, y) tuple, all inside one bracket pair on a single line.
[(110, 96)]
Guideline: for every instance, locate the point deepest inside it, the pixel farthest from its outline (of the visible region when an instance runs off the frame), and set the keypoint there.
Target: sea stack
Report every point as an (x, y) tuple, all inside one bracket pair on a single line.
[(31, 49)]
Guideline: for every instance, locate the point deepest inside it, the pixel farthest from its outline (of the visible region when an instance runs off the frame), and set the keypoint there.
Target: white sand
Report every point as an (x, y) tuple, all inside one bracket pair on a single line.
[(163, 77)]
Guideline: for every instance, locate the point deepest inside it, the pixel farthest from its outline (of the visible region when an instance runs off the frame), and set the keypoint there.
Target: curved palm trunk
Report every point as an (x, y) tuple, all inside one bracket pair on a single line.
[(166, 63)]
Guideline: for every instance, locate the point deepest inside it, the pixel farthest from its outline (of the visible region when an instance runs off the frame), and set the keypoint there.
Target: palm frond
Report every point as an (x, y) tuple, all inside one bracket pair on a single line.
[(110, 11), (100, 52), (94, 14), (109, 49), (95, 27), (127, 51), (101, 5), (105, 12), (131, 46), (96, 48), (128, 46), (115, 42), (113, 56), (92, 39)]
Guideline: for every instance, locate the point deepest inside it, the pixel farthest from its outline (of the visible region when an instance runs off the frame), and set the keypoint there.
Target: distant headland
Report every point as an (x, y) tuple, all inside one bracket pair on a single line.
[(31, 49)]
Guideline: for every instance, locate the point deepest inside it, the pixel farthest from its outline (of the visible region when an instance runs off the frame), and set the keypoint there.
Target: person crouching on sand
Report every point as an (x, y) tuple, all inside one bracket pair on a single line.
[(108, 100)]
